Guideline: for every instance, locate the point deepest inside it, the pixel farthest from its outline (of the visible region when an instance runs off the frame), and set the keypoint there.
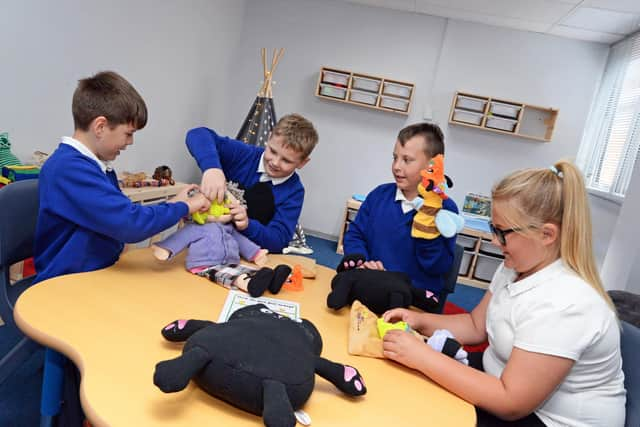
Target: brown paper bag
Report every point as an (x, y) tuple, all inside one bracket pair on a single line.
[(363, 332)]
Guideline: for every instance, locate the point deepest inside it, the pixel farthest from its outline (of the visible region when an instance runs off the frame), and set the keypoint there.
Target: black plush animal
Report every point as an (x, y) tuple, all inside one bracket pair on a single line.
[(259, 361), (379, 290)]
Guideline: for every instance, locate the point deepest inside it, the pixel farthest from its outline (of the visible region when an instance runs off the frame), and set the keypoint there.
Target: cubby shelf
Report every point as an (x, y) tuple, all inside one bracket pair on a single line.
[(364, 90), (503, 116)]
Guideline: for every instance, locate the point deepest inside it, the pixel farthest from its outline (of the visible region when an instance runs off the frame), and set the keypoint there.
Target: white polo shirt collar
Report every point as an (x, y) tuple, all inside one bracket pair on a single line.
[(264, 176), (540, 277), (406, 205), (83, 149)]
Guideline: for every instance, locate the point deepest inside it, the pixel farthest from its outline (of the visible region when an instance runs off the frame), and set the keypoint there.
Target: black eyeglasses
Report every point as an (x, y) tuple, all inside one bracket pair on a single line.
[(501, 234)]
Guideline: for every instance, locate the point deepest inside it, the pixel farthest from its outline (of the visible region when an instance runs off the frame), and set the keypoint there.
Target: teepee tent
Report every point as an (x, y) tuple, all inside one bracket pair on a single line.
[(257, 126)]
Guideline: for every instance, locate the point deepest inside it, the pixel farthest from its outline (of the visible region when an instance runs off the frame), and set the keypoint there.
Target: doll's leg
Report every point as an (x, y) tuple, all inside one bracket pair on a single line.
[(176, 243), (276, 410), (280, 275), (346, 378), (174, 375), (249, 250)]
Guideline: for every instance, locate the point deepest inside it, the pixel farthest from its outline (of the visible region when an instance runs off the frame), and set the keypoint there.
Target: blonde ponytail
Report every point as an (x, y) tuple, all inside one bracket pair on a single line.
[(576, 240)]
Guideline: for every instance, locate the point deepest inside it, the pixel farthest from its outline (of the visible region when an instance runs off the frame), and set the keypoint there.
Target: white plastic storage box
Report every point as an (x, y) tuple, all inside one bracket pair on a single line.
[(396, 89), (488, 248), (506, 110), (467, 242), (470, 103), (508, 125), (333, 91), (335, 77), (364, 83), (363, 97), (486, 267), (467, 117), (394, 103), (465, 263)]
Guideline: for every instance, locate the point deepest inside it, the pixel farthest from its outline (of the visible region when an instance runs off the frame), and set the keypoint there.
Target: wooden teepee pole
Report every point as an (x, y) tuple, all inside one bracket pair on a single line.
[(265, 89)]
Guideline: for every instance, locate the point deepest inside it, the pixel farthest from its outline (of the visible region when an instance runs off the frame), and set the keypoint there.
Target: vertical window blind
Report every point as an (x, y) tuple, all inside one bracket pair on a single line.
[(611, 140)]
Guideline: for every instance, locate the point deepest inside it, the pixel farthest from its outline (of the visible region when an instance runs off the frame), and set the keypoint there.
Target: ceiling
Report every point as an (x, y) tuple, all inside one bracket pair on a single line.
[(603, 21)]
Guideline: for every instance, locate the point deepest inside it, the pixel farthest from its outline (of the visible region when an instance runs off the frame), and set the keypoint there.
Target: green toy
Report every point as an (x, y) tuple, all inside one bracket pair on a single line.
[(384, 327), (216, 210)]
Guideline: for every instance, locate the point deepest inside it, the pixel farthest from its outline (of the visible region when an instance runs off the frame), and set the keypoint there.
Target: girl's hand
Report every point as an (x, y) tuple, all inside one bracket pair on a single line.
[(405, 348), (402, 314)]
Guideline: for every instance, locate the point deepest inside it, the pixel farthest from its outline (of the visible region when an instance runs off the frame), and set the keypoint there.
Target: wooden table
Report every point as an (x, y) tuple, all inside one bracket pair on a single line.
[(108, 322)]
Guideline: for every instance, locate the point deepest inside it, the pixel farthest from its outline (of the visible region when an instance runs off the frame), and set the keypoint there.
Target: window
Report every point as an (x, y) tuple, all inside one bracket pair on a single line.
[(611, 141)]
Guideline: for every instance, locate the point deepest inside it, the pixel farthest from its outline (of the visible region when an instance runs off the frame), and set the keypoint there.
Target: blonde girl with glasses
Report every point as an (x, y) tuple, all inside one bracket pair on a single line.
[(554, 340)]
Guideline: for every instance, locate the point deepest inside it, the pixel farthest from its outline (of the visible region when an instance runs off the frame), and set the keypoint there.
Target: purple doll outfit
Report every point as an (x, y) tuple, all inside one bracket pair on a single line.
[(210, 244)]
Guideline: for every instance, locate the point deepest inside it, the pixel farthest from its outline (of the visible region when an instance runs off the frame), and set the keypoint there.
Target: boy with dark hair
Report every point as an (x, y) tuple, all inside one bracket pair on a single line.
[(84, 219), (273, 190), (380, 236)]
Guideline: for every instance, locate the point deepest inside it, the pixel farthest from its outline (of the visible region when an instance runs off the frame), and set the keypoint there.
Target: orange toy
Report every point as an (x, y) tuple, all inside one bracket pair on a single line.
[(294, 282)]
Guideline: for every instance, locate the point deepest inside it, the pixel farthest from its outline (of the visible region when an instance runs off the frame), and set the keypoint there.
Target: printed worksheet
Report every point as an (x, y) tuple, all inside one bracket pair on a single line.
[(237, 299)]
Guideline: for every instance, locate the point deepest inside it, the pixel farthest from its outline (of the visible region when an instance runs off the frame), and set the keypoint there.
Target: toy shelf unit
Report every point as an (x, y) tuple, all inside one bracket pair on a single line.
[(364, 90), (480, 259), (503, 116), (350, 212)]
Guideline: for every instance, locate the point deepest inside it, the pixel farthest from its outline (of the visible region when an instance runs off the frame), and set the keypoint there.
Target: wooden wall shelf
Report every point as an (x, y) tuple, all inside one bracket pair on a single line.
[(503, 116), (364, 90)]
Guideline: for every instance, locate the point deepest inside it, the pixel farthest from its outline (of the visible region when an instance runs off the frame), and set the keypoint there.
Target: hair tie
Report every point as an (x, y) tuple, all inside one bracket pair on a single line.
[(555, 171)]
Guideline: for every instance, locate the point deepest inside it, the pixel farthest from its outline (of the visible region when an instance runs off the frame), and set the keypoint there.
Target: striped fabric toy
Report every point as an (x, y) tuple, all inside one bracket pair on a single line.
[(6, 156)]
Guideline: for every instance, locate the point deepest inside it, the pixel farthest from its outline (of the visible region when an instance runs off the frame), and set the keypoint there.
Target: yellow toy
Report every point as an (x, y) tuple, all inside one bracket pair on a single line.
[(219, 211), (384, 327)]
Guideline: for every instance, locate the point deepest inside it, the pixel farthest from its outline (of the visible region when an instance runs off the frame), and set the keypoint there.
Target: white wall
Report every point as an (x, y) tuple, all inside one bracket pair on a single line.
[(175, 54), (198, 63), (355, 147), (354, 152)]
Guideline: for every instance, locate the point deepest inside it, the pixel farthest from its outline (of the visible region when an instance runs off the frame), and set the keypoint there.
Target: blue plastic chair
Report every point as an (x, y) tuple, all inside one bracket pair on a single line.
[(18, 217), (630, 343), (450, 278)]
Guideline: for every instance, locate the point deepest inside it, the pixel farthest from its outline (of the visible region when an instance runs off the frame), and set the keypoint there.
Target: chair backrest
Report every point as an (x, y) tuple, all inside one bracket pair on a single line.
[(451, 277), (19, 203), (630, 343)]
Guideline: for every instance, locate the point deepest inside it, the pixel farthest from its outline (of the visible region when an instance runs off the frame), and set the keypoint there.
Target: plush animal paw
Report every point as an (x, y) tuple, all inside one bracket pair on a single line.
[(351, 261), (353, 382), (180, 330), (444, 342), (448, 223)]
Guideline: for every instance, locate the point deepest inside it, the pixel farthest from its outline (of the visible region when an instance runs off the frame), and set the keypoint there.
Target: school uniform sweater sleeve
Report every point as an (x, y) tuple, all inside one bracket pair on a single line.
[(83, 195), (435, 256), (220, 152)]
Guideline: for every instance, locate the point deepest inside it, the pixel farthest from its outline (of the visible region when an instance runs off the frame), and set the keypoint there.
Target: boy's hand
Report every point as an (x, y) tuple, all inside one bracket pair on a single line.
[(183, 195), (239, 215), (198, 203), (404, 347), (214, 184), (372, 265)]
